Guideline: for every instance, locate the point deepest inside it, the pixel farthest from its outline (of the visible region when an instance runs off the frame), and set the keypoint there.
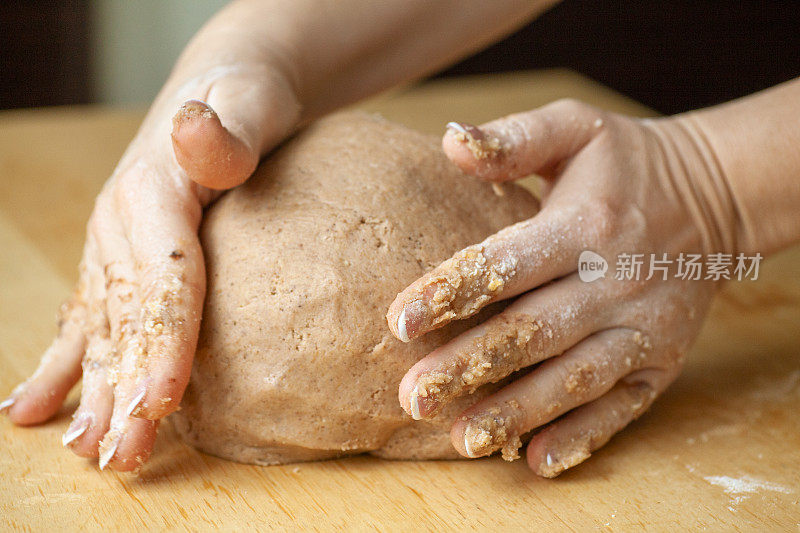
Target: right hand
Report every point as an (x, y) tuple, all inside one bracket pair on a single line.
[(130, 328), (582, 360)]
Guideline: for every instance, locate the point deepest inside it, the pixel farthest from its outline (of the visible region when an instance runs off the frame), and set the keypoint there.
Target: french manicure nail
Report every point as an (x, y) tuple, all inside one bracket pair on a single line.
[(402, 333), (76, 429), (6, 404), (107, 453), (134, 405), (468, 447), (456, 126), (481, 145), (414, 400), (467, 129)]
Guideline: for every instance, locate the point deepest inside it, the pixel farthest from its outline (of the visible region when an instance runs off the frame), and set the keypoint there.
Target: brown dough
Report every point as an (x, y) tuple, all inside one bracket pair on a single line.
[(295, 361)]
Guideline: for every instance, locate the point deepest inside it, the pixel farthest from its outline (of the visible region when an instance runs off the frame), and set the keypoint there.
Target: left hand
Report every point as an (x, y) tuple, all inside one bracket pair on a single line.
[(591, 357)]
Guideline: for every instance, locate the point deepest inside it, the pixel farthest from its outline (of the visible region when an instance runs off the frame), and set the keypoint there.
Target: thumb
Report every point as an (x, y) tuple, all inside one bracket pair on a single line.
[(522, 144), (218, 142)]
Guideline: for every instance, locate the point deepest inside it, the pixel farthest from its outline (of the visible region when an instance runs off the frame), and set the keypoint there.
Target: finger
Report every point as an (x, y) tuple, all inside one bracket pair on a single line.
[(129, 441), (571, 440), (582, 374), (210, 154), (122, 304), (535, 327), (171, 276), (92, 418), (40, 397), (510, 262), (522, 144), (219, 141)]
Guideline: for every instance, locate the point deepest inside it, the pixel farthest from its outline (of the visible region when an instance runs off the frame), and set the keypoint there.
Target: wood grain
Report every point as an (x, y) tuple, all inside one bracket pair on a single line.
[(732, 413)]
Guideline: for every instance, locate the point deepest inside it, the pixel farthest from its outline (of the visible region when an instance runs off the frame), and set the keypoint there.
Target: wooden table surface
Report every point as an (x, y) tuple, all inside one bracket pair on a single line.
[(721, 449)]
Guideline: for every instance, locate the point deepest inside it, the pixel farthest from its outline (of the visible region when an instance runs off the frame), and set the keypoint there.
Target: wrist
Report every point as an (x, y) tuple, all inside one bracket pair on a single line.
[(752, 143), (698, 183)]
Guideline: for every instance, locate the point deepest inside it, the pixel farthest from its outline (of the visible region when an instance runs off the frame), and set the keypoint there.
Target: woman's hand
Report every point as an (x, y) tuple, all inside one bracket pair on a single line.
[(131, 326), (587, 358)]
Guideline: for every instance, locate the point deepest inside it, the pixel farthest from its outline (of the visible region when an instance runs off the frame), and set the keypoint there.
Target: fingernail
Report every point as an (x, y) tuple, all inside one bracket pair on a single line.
[(107, 453), (402, 333), (553, 467), (189, 110), (6, 404), (134, 407), (467, 129), (477, 141), (77, 428), (197, 107), (487, 433), (415, 404), (468, 447)]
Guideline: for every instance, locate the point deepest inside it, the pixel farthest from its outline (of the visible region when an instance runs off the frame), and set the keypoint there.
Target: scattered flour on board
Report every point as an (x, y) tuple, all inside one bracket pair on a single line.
[(740, 488), (722, 431)]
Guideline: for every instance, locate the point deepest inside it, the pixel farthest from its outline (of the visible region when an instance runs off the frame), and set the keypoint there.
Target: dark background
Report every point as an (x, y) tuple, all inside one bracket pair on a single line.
[(670, 55), (44, 53)]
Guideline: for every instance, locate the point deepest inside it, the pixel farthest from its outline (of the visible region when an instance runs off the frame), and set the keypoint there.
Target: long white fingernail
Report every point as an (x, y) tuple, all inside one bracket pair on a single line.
[(135, 403), (402, 334), (458, 127), (414, 400), (75, 430), (468, 447), (107, 454), (6, 404)]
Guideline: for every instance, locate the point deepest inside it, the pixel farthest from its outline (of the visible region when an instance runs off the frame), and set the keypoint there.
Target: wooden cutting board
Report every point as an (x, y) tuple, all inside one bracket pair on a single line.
[(721, 449)]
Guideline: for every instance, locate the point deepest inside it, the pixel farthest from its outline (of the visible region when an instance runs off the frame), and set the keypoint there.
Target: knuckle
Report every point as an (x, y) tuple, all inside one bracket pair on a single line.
[(127, 189), (73, 310), (569, 106), (96, 323), (117, 280), (579, 378), (99, 357), (513, 341), (601, 222)]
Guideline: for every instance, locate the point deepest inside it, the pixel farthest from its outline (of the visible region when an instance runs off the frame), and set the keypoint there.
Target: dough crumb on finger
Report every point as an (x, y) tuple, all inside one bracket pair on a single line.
[(456, 289), (495, 429), (480, 145), (506, 346)]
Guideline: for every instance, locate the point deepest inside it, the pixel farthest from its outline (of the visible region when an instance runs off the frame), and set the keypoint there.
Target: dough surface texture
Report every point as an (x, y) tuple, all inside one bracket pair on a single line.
[(295, 361)]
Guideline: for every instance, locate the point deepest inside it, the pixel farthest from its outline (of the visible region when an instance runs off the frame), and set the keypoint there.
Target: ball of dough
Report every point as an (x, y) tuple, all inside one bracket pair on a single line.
[(295, 361)]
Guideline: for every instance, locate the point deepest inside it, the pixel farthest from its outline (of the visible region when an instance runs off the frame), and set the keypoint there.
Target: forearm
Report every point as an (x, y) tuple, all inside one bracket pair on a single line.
[(336, 52), (754, 143)]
